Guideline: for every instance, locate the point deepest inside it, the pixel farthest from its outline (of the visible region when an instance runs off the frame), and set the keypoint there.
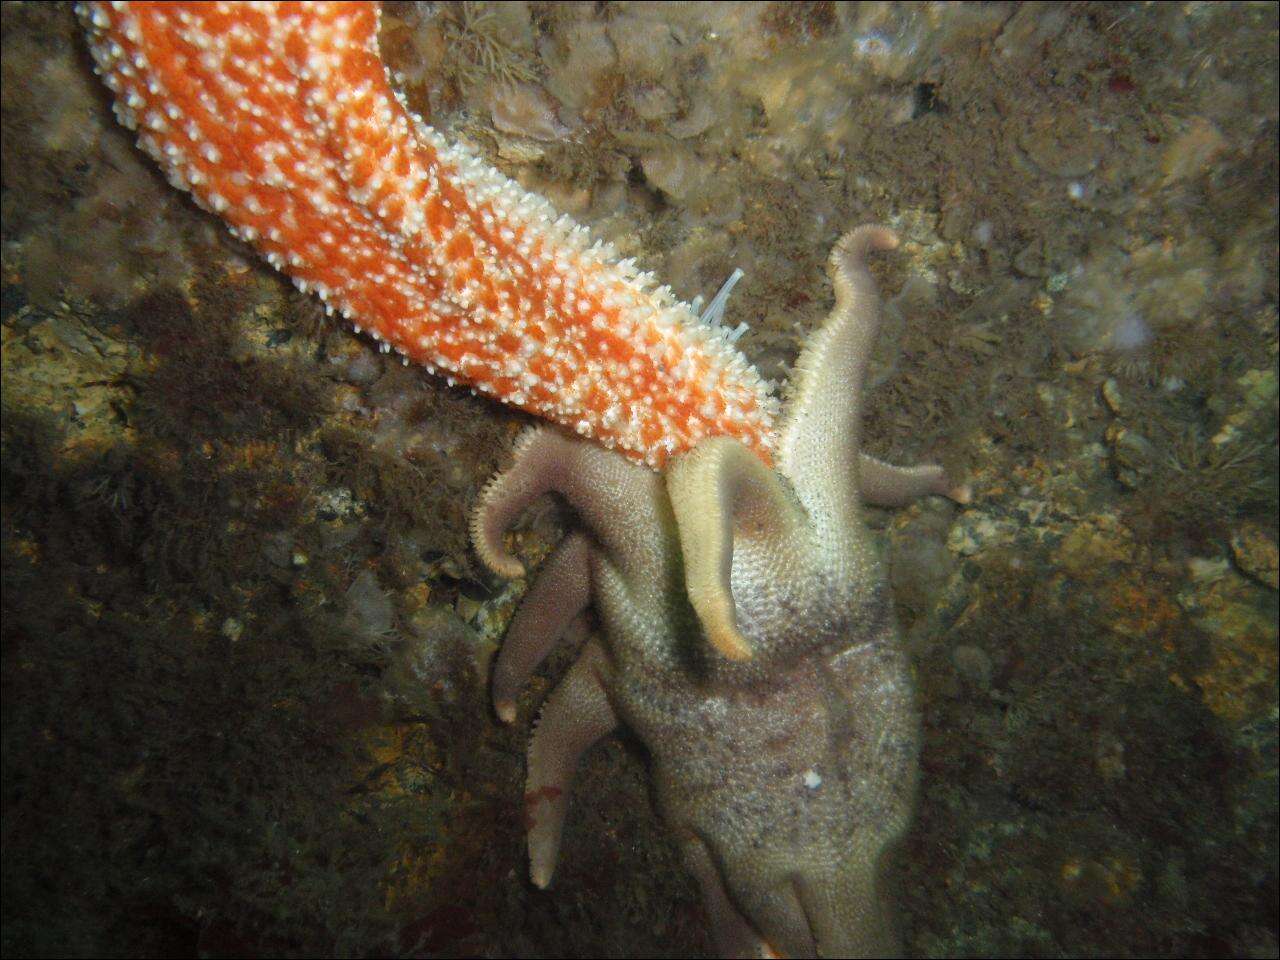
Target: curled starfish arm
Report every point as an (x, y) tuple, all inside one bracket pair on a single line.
[(885, 485), (615, 500), (556, 598), (507, 496), (576, 715), (819, 441), (720, 493)]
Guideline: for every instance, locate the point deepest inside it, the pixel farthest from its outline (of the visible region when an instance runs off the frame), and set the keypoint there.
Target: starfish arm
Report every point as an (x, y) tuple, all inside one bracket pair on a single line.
[(731, 933), (617, 501), (885, 485), (506, 497), (718, 492), (847, 913), (558, 595), (282, 119), (576, 715), (819, 440), (780, 915)]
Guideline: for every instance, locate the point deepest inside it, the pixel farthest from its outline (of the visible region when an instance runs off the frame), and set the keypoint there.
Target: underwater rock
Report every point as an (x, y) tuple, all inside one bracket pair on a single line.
[(1255, 553)]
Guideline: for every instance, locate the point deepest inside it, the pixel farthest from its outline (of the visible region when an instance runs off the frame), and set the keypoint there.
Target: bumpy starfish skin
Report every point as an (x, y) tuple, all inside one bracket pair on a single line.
[(784, 746), (280, 118)]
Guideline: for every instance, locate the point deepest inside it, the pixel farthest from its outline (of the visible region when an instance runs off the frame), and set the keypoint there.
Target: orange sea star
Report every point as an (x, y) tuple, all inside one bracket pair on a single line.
[(280, 118)]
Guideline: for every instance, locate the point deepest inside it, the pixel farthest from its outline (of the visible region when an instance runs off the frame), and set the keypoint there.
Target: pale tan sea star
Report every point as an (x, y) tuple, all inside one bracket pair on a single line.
[(746, 635)]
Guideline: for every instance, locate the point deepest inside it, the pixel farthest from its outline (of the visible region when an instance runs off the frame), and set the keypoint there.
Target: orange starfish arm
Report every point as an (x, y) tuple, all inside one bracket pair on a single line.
[(280, 118)]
